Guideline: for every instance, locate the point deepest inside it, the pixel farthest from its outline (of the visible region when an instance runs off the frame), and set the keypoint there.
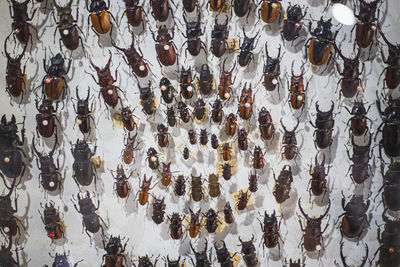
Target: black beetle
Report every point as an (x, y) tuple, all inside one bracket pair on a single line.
[(360, 158), (318, 179), (359, 119), (214, 141), (354, 216), (147, 100), (270, 230), (114, 252), (292, 25), (83, 113), (144, 261), (199, 110), (205, 80), (249, 252), (350, 84), (211, 221), (246, 48), (172, 263), (223, 256), (201, 257), (365, 28), (272, 70), (391, 186), (323, 127), (283, 184), (162, 135), (187, 89), (6, 258), (392, 75), (203, 137), (216, 112), (20, 17), (184, 114), (61, 260), (241, 7), (158, 210), (167, 90), (193, 33), (190, 5), (289, 142), (171, 119), (219, 35), (227, 171), (8, 222), (84, 170)]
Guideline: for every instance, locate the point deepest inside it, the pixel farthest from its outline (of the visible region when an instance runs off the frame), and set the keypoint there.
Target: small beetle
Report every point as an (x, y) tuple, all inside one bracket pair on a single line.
[(162, 135), (201, 257), (167, 90), (199, 111), (114, 252), (350, 84), (360, 166), (214, 141), (196, 188), (15, 77), (127, 153), (184, 113), (214, 187), (365, 28), (160, 10), (211, 221), (245, 105), (292, 24), (226, 151), (358, 121), (83, 169), (100, 16), (283, 184), (216, 112), (242, 139), (152, 158), (258, 158), (127, 119), (253, 180), (223, 255), (194, 224), (144, 190), (193, 33), (176, 225), (192, 137), (166, 174), (392, 75), (227, 171), (134, 13), (230, 125), (318, 177), (147, 99), (180, 186), (243, 199), (225, 82), (203, 137), (205, 80), (171, 119), (186, 153), (266, 126), (158, 210), (228, 213), (186, 83), (51, 219), (83, 113), (121, 185), (20, 17)]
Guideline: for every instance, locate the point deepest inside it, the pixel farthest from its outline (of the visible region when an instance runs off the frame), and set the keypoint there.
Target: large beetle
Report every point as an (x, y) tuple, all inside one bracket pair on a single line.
[(134, 13), (292, 24), (249, 252), (391, 186), (20, 24), (358, 121), (241, 7), (365, 28), (289, 142), (100, 16), (272, 70), (364, 260), (283, 184), (269, 11), (297, 91), (193, 33), (246, 48), (201, 257), (354, 216), (323, 127), (223, 256), (114, 252), (6, 258), (45, 119), (165, 47), (219, 35), (160, 10), (83, 113), (84, 170), (392, 75), (15, 77)]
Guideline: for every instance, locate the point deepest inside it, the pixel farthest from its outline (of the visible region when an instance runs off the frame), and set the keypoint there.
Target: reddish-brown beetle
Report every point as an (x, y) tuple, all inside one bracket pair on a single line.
[(245, 106), (45, 120), (269, 11), (226, 151), (121, 186), (289, 141), (266, 126), (194, 224), (228, 213), (242, 139), (283, 184), (225, 82), (270, 230), (127, 153), (192, 137), (166, 174), (296, 89), (162, 135), (127, 119), (258, 158), (214, 187), (243, 198), (253, 179), (15, 77), (230, 125), (216, 111), (165, 47), (134, 13), (318, 177), (144, 190), (176, 225)]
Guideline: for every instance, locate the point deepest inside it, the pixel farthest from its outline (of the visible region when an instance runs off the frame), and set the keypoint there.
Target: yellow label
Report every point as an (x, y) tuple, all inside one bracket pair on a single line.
[(235, 259), (117, 120), (204, 118), (232, 45), (24, 84), (235, 199), (221, 224), (96, 161)]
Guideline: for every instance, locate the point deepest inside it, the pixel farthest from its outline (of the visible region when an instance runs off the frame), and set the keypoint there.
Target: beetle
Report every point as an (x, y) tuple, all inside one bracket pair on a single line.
[(162, 135), (20, 17), (196, 188), (171, 119), (245, 105), (391, 187), (358, 121), (144, 190), (158, 210), (354, 216), (283, 184), (152, 158), (114, 252), (249, 252), (83, 169), (45, 119), (61, 260), (165, 47), (226, 151), (67, 26), (160, 10), (49, 173), (219, 36), (192, 137), (243, 199), (246, 48), (318, 177), (294, 263), (216, 5), (193, 33), (180, 185), (134, 13), (216, 111), (201, 257), (323, 127), (296, 89), (365, 27), (392, 75), (214, 141), (127, 119), (203, 137), (231, 125), (313, 239), (6, 258), (11, 163), (184, 113), (167, 90), (266, 126), (166, 174), (223, 256), (272, 69), (318, 47), (360, 158), (176, 225), (364, 259), (199, 111), (190, 5), (391, 127), (227, 171), (147, 99), (253, 180), (83, 113), (194, 224), (241, 7), (205, 80), (214, 187), (100, 16), (145, 262), (90, 219), (15, 77), (211, 221), (54, 84), (242, 139), (8, 222), (350, 84), (186, 83), (121, 185), (133, 59), (127, 153), (54, 226), (292, 24), (270, 230), (172, 263), (186, 153), (228, 216), (225, 82), (258, 158), (269, 11)]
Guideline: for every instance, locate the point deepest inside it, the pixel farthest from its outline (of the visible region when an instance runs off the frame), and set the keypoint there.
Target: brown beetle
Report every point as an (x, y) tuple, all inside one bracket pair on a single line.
[(127, 153), (216, 5), (158, 210), (312, 233), (318, 177), (196, 188), (194, 224), (269, 11), (242, 139), (226, 152), (162, 135), (214, 141), (392, 74), (214, 187), (283, 184), (45, 120), (366, 27), (296, 89), (253, 179), (245, 106), (243, 199), (270, 230), (152, 158), (134, 13), (289, 142), (227, 171), (228, 213), (258, 158), (51, 219), (203, 137), (144, 190), (176, 225), (266, 126), (15, 77), (165, 47), (192, 137), (230, 125), (121, 186), (100, 16), (225, 82), (166, 174), (127, 119), (180, 185)]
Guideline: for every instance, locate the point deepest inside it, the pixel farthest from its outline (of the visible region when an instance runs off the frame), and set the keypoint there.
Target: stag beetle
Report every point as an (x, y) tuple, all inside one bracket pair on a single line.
[(114, 252), (45, 119), (293, 263), (354, 216), (249, 252), (201, 257), (391, 127), (15, 77), (61, 260), (318, 177), (158, 210), (219, 35), (194, 224), (211, 221), (272, 70), (296, 89), (49, 173), (289, 141), (54, 84), (246, 48), (292, 24), (84, 169), (6, 258), (323, 127), (100, 16), (214, 187), (269, 11), (350, 84), (312, 236), (365, 28), (270, 230), (228, 216), (391, 186), (392, 75), (8, 222), (127, 153), (171, 118), (205, 80), (318, 47), (20, 17), (225, 82), (243, 143), (90, 219), (193, 33), (216, 111), (11, 164), (186, 83), (283, 184), (245, 105), (67, 26), (360, 160), (121, 185), (364, 260), (172, 263), (160, 10), (241, 7), (176, 225), (134, 13), (199, 110), (165, 47), (147, 99), (51, 219), (162, 135), (180, 186), (266, 126), (144, 190), (359, 119), (243, 198), (196, 188), (223, 256), (83, 113)]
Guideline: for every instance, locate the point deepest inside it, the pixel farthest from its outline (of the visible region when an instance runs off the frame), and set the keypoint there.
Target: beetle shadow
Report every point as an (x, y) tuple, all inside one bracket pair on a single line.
[(296, 45), (274, 254), (315, 3), (250, 70), (273, 29), (250, 215), (324, 69), (288, 207)]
